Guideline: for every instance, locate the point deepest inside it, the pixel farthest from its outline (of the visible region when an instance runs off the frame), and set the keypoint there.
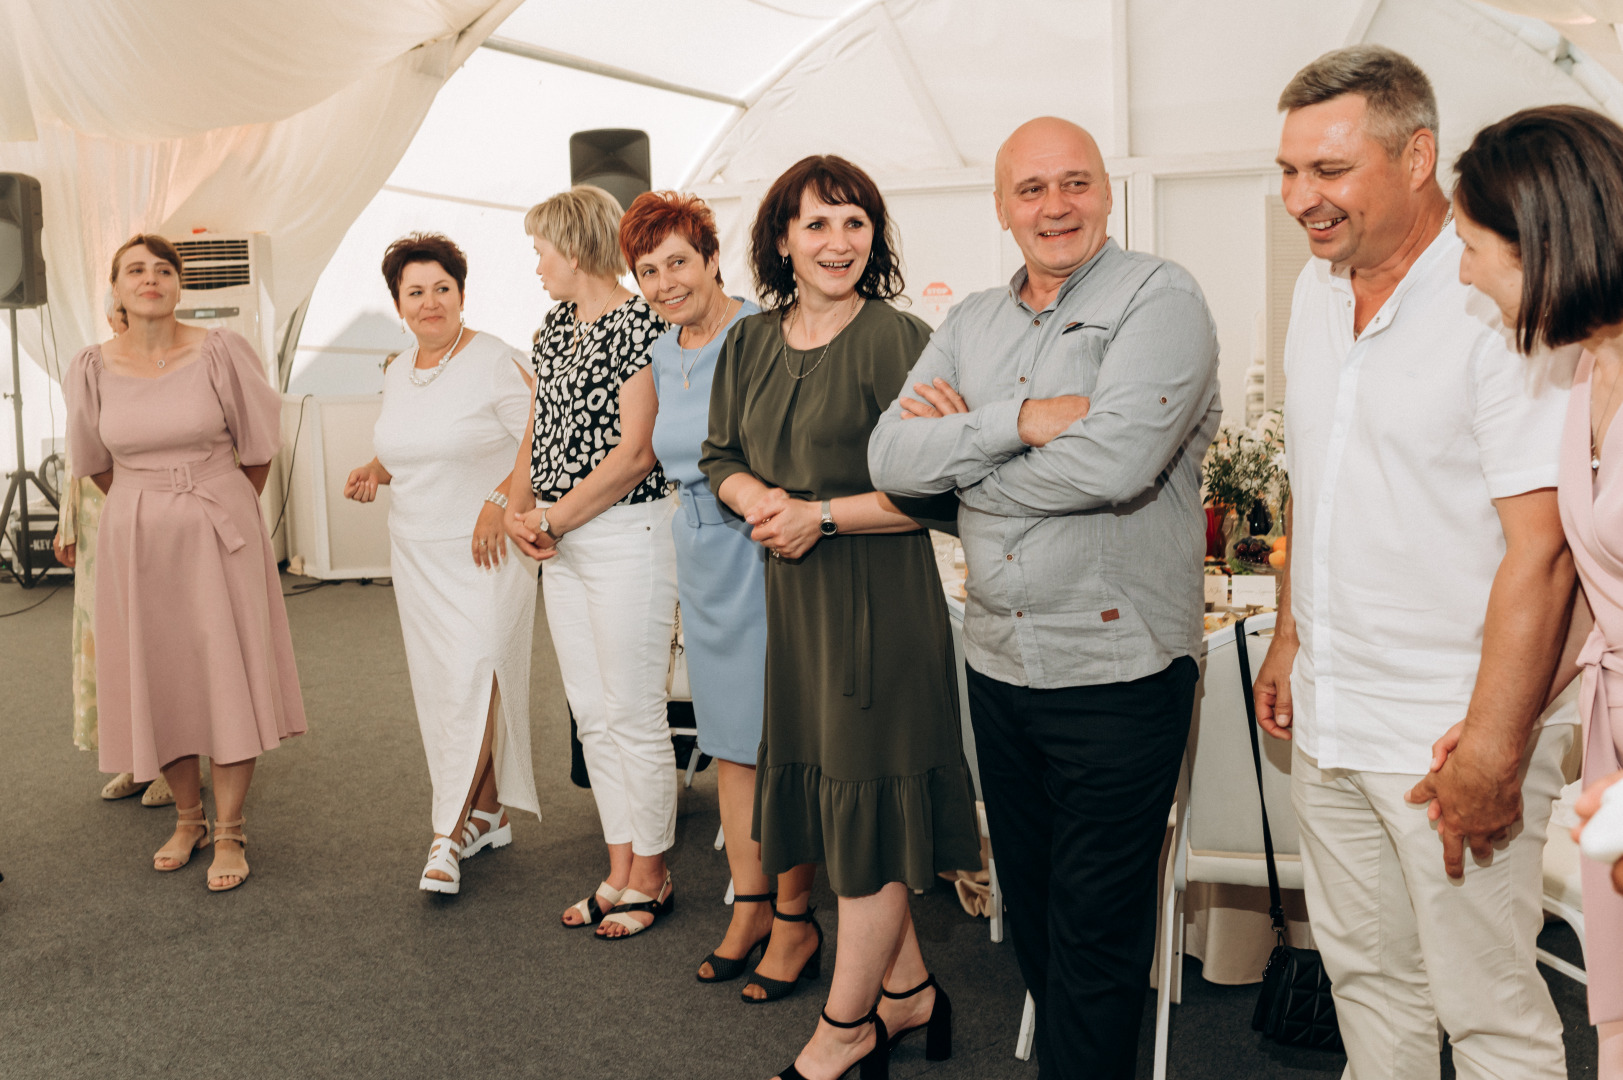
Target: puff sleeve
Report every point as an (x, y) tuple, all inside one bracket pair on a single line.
[(252, 407), (81, 387)]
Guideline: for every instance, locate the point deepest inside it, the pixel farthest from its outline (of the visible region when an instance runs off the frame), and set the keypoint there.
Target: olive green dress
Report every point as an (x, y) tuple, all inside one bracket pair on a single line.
[(861, 765)]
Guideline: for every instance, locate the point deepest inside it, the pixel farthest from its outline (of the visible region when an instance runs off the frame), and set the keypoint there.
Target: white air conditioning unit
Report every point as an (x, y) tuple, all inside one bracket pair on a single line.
[(225, 284)]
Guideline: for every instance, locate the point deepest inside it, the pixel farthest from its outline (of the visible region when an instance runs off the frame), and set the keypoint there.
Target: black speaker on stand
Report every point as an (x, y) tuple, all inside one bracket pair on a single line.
[(614, 159), (22, 285)]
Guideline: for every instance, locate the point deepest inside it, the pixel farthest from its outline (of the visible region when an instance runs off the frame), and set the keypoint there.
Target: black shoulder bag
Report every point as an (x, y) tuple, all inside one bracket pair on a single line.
[(1295, 1007)]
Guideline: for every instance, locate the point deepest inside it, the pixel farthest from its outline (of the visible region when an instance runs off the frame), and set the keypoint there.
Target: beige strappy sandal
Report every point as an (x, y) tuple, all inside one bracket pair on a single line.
[(229, 830), (590, 910), (181, 853), (632, 900)]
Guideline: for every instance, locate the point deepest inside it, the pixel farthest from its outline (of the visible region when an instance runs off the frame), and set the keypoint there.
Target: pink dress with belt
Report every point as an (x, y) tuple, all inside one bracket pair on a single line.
[(193, 654), (1592, 515)]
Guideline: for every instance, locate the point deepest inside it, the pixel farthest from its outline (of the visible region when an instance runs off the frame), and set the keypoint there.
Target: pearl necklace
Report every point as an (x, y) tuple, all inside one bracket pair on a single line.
[(434, 372)]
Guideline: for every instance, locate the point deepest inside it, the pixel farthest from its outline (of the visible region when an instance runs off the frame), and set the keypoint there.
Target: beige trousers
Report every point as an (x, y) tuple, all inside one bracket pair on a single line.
[(1407, 948)]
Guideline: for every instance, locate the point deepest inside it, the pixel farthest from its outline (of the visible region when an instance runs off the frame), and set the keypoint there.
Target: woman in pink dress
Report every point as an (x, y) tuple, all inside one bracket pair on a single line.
[(178, 426), (1554, 175)]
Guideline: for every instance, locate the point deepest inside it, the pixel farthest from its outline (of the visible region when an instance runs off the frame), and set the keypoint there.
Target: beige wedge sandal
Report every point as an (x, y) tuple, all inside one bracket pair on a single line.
[(229, 830), (181, 853)]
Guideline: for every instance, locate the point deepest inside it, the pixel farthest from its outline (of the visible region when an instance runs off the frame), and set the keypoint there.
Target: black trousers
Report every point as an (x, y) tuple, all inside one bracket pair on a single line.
[(1077, 784)]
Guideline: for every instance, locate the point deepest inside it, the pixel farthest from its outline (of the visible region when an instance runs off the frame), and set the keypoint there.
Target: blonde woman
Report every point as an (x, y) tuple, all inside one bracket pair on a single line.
[(589, 497)]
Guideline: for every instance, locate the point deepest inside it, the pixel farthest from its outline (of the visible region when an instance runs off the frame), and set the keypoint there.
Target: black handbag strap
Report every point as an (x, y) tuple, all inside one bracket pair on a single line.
[(1276, 906)]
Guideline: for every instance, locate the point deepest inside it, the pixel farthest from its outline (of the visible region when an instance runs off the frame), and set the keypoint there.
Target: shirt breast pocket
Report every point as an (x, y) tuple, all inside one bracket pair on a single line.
[(1073, 361)]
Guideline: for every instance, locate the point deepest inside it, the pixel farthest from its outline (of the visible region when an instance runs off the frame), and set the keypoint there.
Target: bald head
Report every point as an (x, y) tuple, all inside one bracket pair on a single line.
[(1053, 195), (1044, 137)]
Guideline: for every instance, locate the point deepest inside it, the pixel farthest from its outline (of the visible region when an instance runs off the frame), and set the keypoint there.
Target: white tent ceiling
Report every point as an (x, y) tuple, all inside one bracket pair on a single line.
[(1180, 93)]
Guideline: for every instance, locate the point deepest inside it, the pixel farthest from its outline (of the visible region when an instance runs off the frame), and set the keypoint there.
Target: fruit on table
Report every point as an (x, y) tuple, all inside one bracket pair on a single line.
[(1279, 544), (1253, 549), (1277, 558)]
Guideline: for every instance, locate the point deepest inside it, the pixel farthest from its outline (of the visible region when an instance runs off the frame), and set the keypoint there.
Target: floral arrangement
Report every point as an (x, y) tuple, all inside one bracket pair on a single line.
[(1244, 465)]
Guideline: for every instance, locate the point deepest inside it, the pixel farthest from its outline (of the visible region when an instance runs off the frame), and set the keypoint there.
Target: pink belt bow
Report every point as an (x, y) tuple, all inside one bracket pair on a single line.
[(183, 479)]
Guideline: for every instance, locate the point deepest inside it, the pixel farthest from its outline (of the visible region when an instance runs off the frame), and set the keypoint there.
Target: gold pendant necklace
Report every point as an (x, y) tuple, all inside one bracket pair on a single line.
[(682, 360), (1596, 418)]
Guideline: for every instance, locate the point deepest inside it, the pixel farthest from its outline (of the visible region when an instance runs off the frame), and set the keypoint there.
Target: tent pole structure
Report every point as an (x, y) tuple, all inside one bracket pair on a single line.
[(23, 570), (608, 71)]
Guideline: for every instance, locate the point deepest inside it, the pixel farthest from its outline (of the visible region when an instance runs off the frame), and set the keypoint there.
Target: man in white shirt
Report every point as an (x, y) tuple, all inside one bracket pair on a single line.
[(1428, 582)]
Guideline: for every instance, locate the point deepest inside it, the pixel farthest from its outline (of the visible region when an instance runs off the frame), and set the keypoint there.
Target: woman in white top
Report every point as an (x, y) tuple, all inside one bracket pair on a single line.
[(455, 410)]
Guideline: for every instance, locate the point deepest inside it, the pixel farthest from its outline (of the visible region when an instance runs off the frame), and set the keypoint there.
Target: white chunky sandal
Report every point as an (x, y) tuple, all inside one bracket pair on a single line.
[(495, 835), (442, 856)]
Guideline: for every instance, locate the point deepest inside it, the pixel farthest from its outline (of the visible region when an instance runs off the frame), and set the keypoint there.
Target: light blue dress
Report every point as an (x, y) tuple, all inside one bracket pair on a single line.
[(720, 571)]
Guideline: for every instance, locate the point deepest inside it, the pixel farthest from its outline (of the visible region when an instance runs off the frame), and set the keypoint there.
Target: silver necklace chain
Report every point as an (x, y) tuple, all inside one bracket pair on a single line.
[(805, 371), (420, 379)]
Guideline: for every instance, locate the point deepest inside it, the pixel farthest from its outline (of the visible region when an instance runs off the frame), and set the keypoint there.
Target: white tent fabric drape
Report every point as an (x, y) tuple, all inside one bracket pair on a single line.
[(284, 119)]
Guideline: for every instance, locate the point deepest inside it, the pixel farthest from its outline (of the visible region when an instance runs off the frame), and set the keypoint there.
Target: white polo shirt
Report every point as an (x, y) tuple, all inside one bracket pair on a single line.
[(1398, 441)]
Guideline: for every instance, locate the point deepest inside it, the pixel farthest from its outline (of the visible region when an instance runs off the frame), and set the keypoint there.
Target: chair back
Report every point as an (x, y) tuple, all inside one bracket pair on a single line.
[(1222, 822)]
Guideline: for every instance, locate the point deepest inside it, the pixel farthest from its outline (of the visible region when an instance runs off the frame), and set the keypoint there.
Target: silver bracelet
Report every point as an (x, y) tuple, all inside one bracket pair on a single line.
[(498, 498)]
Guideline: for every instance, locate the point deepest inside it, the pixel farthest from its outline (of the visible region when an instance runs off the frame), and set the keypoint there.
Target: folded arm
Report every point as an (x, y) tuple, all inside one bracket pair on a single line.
[(953, 450), (1154, 385)]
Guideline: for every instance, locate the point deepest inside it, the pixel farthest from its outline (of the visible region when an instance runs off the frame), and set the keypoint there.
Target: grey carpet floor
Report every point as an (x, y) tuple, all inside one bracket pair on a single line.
[(330, 963)]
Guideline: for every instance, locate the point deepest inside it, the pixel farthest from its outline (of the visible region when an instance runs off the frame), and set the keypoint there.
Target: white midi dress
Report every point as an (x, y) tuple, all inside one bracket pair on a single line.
[(446, 446)]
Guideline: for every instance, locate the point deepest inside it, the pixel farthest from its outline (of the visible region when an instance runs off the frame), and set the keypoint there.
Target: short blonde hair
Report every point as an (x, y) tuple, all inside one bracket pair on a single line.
[(583, 223)]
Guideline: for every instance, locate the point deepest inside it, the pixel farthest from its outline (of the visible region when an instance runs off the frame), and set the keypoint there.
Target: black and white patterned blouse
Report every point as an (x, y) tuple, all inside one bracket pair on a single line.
[(577, 414)]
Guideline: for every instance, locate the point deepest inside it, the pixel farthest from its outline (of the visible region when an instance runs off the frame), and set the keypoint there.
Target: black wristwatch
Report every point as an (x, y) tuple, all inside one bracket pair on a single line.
[(828, 527)]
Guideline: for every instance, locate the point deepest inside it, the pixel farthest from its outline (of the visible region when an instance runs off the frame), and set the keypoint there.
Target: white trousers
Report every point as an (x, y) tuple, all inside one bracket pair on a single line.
[(1406, 947), (611, 606)]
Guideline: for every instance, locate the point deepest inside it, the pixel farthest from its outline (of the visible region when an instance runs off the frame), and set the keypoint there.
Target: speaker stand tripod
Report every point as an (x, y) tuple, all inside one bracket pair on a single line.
[(17, 490)]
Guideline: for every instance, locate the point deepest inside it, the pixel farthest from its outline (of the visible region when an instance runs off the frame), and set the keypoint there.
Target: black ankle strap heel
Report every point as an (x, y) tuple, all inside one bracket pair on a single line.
[(937, 1029), (727, 968), (812, 969), (875, 1064)]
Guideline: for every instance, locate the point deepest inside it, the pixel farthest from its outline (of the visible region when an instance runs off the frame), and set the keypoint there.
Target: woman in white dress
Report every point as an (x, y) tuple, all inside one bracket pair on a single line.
[(455, 410)]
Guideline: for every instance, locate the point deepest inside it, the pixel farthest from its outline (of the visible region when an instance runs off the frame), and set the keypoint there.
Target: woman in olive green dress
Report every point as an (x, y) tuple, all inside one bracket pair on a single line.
[(861, 766)]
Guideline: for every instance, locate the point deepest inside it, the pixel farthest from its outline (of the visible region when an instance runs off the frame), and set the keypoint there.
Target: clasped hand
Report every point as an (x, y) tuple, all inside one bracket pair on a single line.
[(525, 529), (785, 526), (1472, 794)]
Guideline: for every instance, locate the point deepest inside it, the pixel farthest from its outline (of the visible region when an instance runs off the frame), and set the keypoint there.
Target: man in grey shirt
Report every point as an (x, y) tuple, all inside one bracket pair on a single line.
[(1071, 411)]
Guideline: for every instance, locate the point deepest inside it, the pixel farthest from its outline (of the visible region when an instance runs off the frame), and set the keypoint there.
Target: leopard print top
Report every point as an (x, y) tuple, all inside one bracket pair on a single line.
[(577, 402)]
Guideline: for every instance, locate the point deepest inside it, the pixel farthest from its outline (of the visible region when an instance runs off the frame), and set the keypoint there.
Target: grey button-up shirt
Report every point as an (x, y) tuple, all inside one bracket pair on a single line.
[(1084, 555)]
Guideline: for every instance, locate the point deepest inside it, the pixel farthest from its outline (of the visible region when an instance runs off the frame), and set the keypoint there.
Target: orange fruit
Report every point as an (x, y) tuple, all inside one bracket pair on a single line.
[(1279, 544), (1277, 559)]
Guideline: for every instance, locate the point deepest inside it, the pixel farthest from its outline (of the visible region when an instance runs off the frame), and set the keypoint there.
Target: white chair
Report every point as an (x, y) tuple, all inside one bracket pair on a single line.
[(1217, 834), (1563, 887)]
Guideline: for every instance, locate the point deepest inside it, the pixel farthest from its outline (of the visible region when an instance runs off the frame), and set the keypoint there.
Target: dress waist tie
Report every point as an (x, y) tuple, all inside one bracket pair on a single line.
[(1597, 658), (183, 480)]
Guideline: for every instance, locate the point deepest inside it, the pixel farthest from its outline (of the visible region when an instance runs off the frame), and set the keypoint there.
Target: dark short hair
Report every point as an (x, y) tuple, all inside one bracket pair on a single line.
[(1396, 93), (655, 215), (421, 247), (154, 243), (837, 182), (1550, 182)]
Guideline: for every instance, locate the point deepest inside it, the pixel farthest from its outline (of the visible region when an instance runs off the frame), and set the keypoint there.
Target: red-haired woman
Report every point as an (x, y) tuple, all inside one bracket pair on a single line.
[(670, 243), (861, 764)]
